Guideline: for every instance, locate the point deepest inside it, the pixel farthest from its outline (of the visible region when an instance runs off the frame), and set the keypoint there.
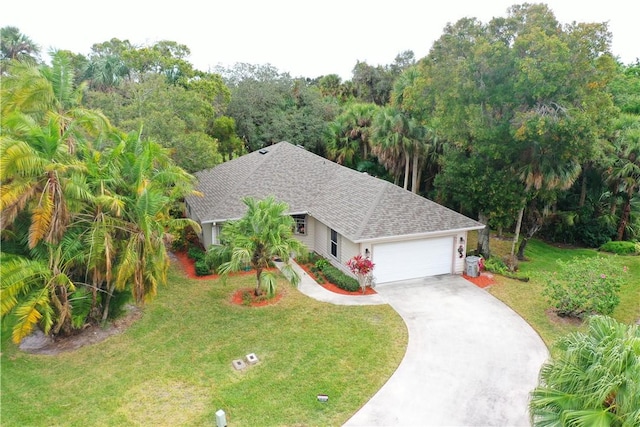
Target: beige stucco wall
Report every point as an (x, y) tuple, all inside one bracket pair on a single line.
[(458, 263), (346, 248)]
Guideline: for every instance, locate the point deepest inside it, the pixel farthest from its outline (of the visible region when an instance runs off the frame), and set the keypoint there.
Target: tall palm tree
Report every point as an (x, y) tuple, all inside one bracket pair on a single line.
[(350, 134), (106, 72), (38, 175), (624, 172), (397, 140), (594, 379), (544, 165), (153, 186), (262, 234), (49, 93), (14, 45)]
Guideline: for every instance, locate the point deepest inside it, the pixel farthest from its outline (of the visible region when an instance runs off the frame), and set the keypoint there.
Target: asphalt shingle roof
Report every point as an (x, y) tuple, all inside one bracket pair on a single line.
[(356, 205)]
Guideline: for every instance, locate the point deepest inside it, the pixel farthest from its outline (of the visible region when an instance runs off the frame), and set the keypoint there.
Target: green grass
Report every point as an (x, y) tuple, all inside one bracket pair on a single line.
[(173, 366), (526, 298)]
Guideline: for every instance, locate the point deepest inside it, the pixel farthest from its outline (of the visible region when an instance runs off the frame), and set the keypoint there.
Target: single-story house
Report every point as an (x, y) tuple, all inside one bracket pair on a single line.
[(339, 212)]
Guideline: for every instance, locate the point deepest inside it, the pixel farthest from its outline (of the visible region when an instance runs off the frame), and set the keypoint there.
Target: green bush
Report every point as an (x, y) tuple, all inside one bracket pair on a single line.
[(217, 255), (495, 265), (195, 253), (583, 287), (621, 248), (339, 278), (202, 268), (321, 263), (307, 258)]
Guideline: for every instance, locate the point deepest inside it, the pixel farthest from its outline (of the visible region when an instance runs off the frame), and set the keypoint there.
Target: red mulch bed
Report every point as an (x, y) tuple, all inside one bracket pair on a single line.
[(334, 288), (188, 265), (484, 280), (237, 298)]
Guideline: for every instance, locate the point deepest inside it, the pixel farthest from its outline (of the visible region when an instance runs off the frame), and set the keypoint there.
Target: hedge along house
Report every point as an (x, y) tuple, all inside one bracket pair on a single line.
[(339, 212)]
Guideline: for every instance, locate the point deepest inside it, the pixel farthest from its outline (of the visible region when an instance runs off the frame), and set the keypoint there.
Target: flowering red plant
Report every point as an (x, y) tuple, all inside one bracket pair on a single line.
[(360, 265)]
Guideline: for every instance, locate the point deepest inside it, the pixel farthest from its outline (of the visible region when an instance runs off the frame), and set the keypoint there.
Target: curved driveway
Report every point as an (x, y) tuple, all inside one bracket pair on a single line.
[(470, 360)]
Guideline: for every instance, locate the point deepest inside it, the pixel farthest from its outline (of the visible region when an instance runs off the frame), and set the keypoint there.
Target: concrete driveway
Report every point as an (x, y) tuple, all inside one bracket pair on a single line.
[(470, 360)]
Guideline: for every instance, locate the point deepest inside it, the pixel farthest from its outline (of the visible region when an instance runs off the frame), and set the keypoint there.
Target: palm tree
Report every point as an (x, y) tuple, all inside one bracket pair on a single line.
[(16, 46), (38, 175), (399, 140), (153, 184), (594, 379), (262, 234), (350, 134), (37, 291), (624, 172), (106, 72), (49, 94), (544, 164)]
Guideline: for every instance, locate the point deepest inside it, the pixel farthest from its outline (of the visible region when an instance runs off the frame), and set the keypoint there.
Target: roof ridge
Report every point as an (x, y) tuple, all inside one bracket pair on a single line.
[(372, 206)]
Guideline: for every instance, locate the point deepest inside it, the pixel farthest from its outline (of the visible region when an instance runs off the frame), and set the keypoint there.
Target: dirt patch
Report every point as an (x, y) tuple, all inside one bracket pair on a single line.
[(163, 403), (562, 320), (91, 334)]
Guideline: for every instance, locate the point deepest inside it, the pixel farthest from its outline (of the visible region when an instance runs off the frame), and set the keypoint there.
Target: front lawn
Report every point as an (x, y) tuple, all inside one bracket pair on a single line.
[(526, 297), (174, 365)]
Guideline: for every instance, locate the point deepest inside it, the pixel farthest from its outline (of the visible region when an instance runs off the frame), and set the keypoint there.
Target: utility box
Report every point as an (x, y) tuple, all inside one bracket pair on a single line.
[(221, 418), (472, 266)]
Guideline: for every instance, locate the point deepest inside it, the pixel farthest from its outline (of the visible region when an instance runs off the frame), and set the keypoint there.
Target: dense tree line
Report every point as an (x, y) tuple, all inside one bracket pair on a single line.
[(85, 207), (527, 124)]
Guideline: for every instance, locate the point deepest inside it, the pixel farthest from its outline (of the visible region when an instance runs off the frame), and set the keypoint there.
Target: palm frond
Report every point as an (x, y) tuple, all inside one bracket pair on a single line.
[(28, 314)]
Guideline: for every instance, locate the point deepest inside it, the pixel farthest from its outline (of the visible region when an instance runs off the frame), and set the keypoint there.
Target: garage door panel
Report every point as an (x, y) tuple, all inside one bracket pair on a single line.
[(412, 259)]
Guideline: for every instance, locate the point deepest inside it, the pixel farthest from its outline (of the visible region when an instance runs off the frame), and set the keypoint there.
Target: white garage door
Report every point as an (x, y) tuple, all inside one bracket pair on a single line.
[(412, 259)]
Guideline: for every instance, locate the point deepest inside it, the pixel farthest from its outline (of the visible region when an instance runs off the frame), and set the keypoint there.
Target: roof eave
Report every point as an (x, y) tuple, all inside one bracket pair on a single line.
[(217, 221), (419, 235)]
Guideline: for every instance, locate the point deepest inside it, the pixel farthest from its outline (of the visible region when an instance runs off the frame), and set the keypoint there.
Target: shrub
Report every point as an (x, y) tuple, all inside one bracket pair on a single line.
[(217, 255), (584, 287), (495, 265), (593, 380), (307, 258), (195, 253), (321, 264), (339, 278), (621, 248), (184, 238), (202, 268)]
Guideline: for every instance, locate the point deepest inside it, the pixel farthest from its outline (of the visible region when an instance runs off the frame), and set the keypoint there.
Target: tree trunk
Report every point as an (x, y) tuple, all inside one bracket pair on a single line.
[(406, 171), (483, 236), (516, 235), (258, 291), (105, 311), (624, 219), (583, 186), (523, 245), (534, 221), (414, 173)]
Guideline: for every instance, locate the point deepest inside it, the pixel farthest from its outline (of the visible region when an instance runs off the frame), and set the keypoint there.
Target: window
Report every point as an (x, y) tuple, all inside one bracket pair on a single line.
[(301, 224), (333, 246)]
